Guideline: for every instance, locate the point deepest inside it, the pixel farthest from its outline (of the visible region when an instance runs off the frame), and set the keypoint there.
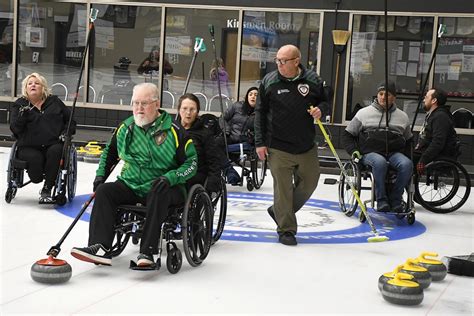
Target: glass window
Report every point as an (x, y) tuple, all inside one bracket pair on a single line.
[(183, 26), (51, 38), (6, 47), (409, 53), (126, 38), (265, 32), (454, 68)]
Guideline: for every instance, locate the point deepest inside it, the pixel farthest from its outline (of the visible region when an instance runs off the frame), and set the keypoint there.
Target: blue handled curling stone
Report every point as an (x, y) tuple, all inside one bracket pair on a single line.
[(436, 268), (402, 292), (422, 275)]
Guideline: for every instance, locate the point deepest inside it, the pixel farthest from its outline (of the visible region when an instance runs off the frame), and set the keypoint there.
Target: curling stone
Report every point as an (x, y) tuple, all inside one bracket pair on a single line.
[(93, 152), (80, 153), (422, 276), (384, 278), (402, 292), (51, 271), (436, 268)]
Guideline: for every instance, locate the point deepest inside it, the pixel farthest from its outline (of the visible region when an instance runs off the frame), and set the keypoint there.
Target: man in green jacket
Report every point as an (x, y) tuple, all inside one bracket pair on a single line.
[(158, 160)]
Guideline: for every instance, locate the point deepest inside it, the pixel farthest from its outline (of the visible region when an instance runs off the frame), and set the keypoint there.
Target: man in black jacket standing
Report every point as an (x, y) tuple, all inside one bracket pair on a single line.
[(289, 100), (437, 136)]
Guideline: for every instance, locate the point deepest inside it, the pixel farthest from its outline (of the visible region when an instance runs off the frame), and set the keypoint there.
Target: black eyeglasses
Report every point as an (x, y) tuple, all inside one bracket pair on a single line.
[(279, 61)]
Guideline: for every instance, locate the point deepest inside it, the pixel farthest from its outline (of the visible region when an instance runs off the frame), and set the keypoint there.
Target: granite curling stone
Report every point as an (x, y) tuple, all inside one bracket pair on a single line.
[(422, 275), (402, 292), (384, 278), (436, 268), (51, 271)]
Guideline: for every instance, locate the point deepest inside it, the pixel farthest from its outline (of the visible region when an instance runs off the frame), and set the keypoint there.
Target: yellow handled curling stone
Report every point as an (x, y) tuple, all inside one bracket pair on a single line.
[(436, 268)]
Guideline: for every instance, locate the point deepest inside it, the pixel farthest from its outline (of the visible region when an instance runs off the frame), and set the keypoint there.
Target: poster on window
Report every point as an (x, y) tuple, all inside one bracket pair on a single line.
[(35, 37)]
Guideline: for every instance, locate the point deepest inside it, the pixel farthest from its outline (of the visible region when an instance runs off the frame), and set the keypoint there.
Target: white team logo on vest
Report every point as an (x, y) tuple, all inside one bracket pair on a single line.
[(303, 88)]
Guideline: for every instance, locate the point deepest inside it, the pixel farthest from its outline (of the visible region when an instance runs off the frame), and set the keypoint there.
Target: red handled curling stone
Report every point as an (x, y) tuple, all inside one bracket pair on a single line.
[(422, 275), (384, 278), (51, 271), (436, 268), (402, 292)]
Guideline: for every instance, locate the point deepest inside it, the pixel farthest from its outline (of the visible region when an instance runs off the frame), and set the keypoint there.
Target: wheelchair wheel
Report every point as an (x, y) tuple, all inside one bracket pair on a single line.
[(411, 218), (122, 232), (72, 175), (259, 170), (14, 176), (60, 199), (347, 200), (10, 194), (196, 225), (250, 185), (219, 209), (444, 187), (174, 258)]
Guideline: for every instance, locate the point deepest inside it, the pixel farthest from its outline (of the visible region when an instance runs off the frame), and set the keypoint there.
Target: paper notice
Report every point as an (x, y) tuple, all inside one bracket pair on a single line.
[(412, 69), (401, 68)]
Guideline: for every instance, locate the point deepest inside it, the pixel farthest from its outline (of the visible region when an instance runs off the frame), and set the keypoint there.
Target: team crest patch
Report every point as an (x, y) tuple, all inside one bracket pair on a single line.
[(160, 138), (303, 88)]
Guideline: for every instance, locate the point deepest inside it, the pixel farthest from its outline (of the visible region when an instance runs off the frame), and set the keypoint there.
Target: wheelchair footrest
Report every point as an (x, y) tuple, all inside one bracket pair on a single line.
[(46, 200), (152, 267)]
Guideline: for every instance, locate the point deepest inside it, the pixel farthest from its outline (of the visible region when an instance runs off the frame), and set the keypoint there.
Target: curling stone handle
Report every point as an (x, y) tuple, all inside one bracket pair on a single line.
[(428, 254)]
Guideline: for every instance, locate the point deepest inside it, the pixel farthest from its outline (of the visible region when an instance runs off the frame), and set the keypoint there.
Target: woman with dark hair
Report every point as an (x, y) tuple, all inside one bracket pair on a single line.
[(38, 119), (210, 157), (240, 117)]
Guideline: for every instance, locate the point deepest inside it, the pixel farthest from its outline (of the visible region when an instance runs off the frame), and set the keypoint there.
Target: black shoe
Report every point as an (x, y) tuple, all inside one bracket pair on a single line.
[(288, 239), (383, 206), (46, 191), (144, 260), (97, 254), (400, 208), (272, 214)]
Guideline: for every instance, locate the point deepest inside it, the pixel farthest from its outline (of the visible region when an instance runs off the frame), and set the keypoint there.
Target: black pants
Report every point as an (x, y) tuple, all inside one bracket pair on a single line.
[(104, 213), (42, 161)]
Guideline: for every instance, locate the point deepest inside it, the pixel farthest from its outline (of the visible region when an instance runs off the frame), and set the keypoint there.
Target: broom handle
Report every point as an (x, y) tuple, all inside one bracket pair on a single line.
[(335, 87), (354, 192)]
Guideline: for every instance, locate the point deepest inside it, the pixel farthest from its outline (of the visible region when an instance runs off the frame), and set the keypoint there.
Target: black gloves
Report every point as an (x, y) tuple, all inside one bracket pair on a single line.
[(213, 184), (160, 185), (98, 181)]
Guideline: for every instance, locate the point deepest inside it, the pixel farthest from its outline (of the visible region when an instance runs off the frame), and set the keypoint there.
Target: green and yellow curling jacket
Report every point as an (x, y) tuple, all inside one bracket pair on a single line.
[(162, 149)]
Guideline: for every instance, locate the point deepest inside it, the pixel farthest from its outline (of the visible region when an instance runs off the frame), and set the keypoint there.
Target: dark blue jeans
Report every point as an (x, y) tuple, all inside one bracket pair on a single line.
[(379, 165)]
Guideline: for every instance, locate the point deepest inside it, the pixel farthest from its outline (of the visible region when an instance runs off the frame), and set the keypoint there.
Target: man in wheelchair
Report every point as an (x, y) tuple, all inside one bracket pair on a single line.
[(158, 160), (437, 136), (382, 143)]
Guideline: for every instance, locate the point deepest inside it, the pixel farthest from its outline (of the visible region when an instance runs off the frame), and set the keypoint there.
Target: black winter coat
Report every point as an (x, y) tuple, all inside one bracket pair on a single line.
[(239, 118), (438, 136), (34, 128), (210, 157)]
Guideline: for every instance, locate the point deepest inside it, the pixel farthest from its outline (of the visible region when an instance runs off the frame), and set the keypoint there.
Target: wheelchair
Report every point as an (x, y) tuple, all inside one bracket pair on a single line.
[(245, 156), (219, 209), (65, 186), (356, 173), (444, 187), (190, 222)]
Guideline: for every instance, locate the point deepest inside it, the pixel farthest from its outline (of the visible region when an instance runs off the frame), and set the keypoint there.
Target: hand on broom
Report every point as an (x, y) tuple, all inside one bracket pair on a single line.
[(315, 112)]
